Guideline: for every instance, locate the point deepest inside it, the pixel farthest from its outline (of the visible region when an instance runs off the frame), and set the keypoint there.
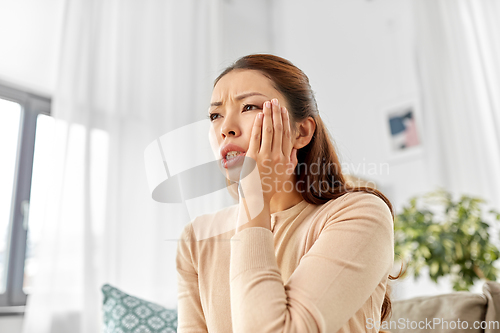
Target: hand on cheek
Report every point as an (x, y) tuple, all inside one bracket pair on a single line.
[(271, 149)]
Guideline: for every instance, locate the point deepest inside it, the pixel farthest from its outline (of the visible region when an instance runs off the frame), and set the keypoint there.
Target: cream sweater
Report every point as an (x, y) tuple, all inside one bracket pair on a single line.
[(322, 268)]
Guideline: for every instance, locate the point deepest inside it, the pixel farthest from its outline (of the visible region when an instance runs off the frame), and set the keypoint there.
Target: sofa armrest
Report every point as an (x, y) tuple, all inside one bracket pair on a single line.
[(491, 290), (439, 313)]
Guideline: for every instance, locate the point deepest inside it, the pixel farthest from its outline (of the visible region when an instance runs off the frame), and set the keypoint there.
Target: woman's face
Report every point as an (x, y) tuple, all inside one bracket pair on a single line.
[(236, 100)]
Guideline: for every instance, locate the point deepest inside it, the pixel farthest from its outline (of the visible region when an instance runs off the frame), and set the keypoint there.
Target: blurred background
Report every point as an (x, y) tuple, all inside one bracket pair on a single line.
[(410, 91)]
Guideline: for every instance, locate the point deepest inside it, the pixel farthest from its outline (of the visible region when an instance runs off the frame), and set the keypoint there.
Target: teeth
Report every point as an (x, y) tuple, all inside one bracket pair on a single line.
[(232, 154)]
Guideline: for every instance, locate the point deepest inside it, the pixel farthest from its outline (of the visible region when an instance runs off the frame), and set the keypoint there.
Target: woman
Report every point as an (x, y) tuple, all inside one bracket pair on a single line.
[(309, 251)]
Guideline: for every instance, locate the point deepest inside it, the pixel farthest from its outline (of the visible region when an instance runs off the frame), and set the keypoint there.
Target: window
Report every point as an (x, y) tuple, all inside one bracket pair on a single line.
[(25, 136)]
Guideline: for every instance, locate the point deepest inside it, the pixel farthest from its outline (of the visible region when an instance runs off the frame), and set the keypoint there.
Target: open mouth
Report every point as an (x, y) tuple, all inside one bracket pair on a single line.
[(233, 158)]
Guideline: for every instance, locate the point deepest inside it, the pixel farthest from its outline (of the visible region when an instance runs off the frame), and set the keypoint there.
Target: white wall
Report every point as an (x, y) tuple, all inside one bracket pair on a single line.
[(11, 324), (30, 32), (247, 28)]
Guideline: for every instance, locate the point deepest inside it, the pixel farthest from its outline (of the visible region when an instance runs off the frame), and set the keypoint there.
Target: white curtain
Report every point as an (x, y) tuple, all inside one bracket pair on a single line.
[(458, 53), (130, 72)]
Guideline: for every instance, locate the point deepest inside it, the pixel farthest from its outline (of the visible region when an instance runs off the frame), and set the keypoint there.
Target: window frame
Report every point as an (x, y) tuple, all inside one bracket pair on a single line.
[(32, 105)]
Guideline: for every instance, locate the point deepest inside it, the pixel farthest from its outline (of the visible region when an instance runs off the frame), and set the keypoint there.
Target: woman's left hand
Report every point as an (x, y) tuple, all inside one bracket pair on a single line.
[(274, 155)]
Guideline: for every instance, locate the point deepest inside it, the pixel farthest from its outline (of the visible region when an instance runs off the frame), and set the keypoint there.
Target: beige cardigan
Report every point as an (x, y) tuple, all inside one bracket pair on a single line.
[(322, 268)]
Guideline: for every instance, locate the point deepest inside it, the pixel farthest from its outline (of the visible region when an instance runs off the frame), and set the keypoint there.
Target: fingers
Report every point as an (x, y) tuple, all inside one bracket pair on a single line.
[(293, 161), (287, 137), (277, 127), (254, 145), (267, 129)]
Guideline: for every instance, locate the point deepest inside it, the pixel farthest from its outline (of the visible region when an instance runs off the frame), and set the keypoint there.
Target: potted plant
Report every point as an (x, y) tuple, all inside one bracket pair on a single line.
[(447, 236)]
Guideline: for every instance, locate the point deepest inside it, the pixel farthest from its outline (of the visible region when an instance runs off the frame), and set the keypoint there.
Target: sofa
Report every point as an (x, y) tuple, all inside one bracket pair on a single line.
[(455, 312), (459, 311)]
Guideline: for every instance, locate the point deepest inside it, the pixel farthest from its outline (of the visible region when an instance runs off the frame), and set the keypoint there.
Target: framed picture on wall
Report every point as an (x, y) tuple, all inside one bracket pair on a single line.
[(402, 126)]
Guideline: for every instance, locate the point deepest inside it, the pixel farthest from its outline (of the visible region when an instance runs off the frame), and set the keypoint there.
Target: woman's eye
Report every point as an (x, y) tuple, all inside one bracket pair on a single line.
[(246, 107), (249, 107), (213, 116)]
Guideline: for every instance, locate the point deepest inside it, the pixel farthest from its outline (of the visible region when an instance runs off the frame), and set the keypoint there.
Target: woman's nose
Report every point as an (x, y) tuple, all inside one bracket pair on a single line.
[(229, 128)]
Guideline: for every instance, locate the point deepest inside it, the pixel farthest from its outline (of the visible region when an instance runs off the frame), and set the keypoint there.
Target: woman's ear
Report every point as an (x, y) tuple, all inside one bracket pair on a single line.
[(304, 133)]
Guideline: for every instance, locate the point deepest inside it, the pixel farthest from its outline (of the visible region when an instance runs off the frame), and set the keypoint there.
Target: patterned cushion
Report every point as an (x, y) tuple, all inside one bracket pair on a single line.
[(128, 314)]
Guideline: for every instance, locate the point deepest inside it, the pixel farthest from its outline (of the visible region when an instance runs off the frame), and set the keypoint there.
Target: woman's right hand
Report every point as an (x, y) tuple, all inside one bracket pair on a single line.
[(270, 159)]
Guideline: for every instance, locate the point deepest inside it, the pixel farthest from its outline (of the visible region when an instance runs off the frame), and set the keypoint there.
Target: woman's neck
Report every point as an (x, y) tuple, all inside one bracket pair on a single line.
[(284, 200)]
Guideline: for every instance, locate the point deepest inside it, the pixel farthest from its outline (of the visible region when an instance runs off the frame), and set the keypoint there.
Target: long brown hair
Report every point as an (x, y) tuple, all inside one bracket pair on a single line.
[(294, 85)]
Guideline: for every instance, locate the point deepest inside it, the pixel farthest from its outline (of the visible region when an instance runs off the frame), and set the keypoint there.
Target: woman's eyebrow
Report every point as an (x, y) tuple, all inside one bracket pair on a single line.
[(239, 97)]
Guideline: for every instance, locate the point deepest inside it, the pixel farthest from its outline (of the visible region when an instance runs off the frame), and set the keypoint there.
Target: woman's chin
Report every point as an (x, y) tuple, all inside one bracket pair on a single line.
[(233, 173)]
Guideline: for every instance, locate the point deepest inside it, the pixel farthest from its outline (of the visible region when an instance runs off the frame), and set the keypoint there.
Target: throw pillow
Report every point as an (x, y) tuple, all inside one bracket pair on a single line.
[(124, 313)]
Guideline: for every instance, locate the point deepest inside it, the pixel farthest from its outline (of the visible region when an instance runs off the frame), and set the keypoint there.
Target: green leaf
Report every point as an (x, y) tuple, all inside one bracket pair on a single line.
[(434, 268), (449, 236)]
